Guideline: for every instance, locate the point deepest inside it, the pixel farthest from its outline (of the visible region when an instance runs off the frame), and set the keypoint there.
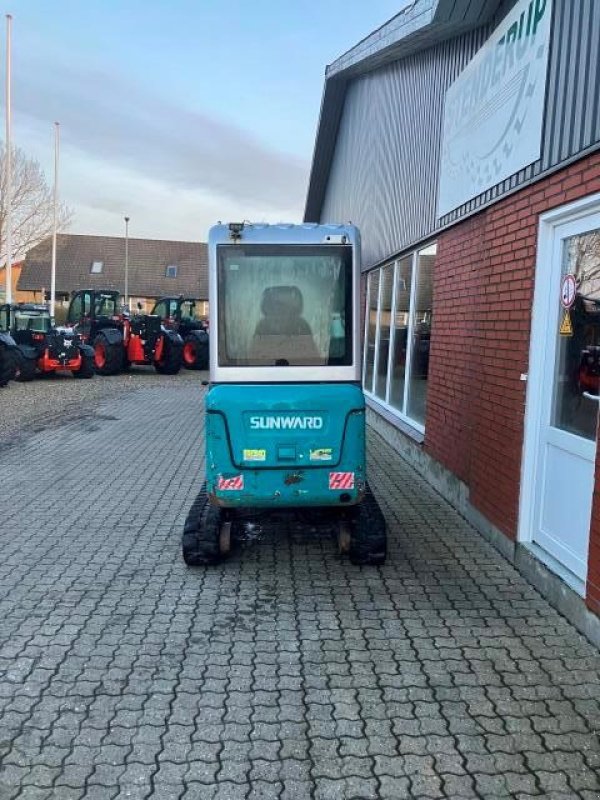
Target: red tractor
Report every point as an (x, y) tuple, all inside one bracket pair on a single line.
[(179, 314), (42, 347), (120, 339)]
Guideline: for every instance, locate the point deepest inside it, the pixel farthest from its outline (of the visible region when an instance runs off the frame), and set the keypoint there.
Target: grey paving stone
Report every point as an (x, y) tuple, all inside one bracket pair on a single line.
[(282, 673)]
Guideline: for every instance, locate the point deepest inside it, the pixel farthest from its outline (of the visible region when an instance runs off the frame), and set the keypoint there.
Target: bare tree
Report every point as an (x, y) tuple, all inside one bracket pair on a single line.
[(32, 205)]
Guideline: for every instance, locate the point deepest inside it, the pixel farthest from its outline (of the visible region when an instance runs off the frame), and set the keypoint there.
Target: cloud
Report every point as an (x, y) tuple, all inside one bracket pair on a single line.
[(128, 128), (102, 194)]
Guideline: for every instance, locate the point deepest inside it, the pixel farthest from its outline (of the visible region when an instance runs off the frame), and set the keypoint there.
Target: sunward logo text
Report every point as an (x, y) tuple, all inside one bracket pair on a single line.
[(286, 423)]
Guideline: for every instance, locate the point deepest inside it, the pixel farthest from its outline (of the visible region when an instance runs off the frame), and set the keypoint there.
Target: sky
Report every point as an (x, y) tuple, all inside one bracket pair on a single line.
[(177, 114)]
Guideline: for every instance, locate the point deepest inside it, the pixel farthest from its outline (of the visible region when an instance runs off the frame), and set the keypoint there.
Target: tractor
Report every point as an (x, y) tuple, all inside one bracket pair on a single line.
[(8, 358), (179, 314), (43, 348), (119, 339), (285, 411)]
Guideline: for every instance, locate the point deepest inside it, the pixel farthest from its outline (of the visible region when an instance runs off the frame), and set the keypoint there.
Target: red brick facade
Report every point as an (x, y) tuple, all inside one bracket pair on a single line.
[(484, 280)]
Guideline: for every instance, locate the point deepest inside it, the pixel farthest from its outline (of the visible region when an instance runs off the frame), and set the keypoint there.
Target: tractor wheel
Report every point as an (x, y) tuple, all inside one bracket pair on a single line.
[(201, 542), (86, 370), (368, 541), (8, 364), (195, 351), (170, 363), (108, 356), (26, 368)]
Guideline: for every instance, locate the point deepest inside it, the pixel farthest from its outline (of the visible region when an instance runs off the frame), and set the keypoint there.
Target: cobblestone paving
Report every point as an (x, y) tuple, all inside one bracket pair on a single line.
[(284, 673)]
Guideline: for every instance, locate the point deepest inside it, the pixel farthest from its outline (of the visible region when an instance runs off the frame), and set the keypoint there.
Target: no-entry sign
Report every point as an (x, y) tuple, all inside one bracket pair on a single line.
[(568, 290)]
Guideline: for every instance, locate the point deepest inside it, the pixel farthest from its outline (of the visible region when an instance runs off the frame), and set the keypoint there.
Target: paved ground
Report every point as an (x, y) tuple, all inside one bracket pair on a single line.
[(48, 400), (284, 673)]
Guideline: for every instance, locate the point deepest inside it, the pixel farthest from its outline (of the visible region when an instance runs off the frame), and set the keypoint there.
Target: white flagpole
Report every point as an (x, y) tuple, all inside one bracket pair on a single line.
[(8, 165), (53, 273)]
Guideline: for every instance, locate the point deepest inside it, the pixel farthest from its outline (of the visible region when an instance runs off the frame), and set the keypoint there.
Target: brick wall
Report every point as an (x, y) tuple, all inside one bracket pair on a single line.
[(484, 279)]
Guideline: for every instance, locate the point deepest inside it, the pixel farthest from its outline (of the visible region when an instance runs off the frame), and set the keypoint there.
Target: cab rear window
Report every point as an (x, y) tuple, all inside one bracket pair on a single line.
[(283, 307)]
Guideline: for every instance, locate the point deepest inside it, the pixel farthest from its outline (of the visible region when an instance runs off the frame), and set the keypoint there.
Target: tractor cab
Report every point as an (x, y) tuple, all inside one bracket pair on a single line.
[(285, 412), (27, 322), (176, 311), (181, 314), (90, 309)]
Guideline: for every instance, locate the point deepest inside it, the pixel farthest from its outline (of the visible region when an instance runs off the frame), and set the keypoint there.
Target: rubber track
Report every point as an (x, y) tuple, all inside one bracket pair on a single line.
[(368, 543), (200, 541)]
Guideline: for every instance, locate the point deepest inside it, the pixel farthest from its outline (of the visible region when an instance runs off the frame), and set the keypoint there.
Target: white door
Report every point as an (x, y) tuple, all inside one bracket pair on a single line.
[(563, 396)]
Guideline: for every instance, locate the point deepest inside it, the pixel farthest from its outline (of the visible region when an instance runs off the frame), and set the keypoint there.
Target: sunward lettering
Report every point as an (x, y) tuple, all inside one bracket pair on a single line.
[(286, 423)]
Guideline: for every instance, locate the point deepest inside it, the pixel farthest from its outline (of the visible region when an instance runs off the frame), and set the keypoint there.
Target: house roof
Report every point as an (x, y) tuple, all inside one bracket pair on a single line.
[(147, 263), (420, 25)]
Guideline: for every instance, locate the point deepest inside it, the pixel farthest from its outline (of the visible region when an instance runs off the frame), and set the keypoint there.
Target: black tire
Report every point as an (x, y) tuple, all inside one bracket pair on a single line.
[(26, 368), (195, 350), (86, 370), (8, 364), (368, 542), (200, 541), (170, 362), (108, 356)]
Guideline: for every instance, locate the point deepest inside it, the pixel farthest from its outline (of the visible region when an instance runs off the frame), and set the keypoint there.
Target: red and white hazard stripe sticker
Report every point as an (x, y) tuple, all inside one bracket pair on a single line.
[(341, 480), (230, 484)]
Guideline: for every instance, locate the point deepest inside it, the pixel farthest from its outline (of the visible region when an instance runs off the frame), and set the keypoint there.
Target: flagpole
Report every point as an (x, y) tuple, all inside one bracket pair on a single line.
[(8, 164), (53, 272)]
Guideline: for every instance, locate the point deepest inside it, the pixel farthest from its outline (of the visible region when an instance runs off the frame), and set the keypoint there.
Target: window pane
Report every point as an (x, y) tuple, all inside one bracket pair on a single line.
[(403, 286), (578, 356), (423, 304), (385, 319), (31, 321), (189, 311), (105, 306), (289, 306), (371, 328)]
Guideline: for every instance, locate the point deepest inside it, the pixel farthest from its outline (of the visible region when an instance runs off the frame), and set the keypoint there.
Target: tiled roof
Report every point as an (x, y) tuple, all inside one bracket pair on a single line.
[(147, 259)]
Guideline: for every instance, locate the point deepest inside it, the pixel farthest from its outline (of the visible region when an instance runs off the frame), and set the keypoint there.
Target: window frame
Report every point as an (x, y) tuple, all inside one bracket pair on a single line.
[(171, 271), (370, 390), (97, 271)]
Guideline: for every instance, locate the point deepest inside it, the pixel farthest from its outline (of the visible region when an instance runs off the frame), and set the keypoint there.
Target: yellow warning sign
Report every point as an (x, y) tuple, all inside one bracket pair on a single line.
[(566, 326)]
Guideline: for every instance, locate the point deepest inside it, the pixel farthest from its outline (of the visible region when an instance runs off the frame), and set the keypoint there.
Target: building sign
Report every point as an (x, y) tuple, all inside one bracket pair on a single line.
[(494, 110)]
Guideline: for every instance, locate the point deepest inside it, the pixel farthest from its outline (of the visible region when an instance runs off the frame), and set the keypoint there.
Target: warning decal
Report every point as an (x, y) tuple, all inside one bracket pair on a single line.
[(322, 454), (230, 484), (341, 480), (255, 455), (566, 326)]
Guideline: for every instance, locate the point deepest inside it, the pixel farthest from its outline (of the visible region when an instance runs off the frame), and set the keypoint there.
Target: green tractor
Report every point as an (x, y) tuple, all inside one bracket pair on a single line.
[(179, 314), (285, 411)]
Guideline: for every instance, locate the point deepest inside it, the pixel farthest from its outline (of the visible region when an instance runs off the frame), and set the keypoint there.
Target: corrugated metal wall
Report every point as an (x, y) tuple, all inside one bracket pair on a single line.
[(384, 172)]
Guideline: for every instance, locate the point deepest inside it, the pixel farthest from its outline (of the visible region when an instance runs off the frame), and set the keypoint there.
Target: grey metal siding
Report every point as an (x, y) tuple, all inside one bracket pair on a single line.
[(384, 170)]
